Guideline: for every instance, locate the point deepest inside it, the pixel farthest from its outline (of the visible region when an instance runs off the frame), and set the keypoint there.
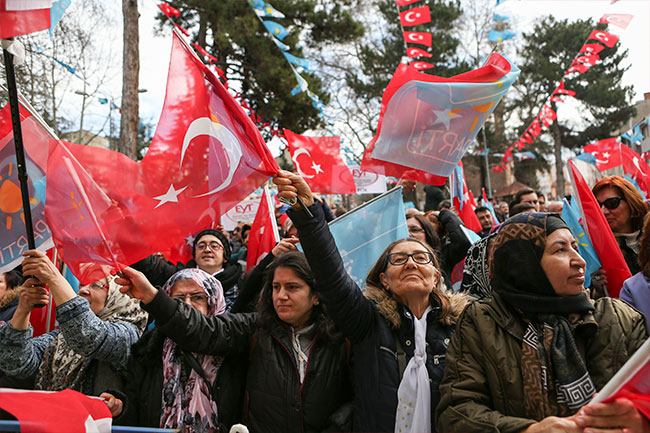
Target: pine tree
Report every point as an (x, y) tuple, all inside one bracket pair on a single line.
[(255, 66)]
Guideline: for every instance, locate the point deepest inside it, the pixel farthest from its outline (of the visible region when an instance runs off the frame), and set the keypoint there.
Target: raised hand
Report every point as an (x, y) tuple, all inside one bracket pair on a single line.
[(136, 285)]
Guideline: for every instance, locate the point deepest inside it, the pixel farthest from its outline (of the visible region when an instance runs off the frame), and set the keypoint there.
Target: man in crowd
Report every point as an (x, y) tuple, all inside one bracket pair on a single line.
[(485, 218), (542, 201), (526, 195)]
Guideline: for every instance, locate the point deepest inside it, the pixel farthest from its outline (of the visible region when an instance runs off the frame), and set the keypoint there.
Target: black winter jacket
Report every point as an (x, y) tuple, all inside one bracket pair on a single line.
[(142, 395), (275, 401), (372, 326)]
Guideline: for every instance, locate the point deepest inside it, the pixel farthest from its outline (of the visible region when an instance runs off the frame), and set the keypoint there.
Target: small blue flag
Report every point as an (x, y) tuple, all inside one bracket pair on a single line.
[(305, 64), (585, 248), (587, 157), (500, 18), (56, 12), (496, 36), (276, 29)]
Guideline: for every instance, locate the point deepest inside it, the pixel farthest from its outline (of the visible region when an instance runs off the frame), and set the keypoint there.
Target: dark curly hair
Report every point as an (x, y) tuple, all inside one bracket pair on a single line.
[(297, 262)]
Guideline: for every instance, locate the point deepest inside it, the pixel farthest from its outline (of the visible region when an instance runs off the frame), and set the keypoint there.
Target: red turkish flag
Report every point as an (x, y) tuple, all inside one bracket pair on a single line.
[(318, 161), (51, 412), (607, 153), (618, 20), (107, 211), (422, 65), (417, 52), (463, 200), (422, 38), (604, 37), (589, 59), (263, 235), (169, 10), (600, 234), (16, 19), (560, 90), (636, 167), (405, 2), (415, 16), (591, 48)]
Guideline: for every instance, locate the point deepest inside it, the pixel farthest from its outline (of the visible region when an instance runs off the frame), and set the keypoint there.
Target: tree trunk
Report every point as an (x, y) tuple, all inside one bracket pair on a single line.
[(559, 164), (131, 69)]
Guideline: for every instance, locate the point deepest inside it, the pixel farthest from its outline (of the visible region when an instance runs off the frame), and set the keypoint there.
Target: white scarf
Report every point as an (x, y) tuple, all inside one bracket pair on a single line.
[(414, 393)]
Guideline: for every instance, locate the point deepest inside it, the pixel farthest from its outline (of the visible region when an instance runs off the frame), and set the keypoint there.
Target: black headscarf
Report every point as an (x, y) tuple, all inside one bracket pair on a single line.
[(516, 272)]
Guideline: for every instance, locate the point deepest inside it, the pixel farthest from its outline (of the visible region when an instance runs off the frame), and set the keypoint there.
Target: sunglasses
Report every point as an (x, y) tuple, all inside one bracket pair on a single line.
[(611, 203)]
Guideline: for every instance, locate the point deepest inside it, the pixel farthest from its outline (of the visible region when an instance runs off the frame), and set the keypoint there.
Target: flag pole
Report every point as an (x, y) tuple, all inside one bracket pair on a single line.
[(18, 142)]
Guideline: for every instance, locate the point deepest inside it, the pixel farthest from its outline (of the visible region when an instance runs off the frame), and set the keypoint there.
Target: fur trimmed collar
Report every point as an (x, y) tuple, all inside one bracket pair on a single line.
[(9, 296), (387, 306)]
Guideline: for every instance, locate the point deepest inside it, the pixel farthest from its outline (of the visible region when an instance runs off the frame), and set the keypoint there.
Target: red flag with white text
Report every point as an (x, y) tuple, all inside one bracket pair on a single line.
[(600, 233), (264, 232), (66, 411), (107, 211), (318, 160), (19, 17)]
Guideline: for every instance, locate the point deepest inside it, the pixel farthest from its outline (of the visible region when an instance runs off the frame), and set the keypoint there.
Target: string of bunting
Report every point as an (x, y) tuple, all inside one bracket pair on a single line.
[(586, 58), (410, 18)]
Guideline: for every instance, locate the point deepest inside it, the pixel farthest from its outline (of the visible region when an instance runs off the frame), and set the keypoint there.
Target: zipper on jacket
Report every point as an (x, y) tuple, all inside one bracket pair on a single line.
[(389, 351)]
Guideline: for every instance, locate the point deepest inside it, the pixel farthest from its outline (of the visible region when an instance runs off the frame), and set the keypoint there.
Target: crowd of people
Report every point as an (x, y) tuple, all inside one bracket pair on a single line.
[(445, 335)]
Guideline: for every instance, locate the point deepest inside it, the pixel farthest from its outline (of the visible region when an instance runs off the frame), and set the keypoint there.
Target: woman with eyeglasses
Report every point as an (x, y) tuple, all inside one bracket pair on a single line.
[(298, 377), (624, 209), (399, 326), (89, 352), (172, 388)]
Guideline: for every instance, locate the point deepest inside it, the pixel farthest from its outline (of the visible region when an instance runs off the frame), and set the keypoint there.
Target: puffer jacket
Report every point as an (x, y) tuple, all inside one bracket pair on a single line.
[(275, 400), (373, 323), (482, 390)]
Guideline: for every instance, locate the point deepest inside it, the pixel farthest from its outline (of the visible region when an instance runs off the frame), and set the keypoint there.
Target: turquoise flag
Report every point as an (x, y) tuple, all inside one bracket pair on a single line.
[(585, 248), (362, 234)]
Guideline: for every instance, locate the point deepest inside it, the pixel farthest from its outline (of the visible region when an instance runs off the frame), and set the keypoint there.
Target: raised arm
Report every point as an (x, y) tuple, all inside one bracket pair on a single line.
[(353, 314), (189, 328)]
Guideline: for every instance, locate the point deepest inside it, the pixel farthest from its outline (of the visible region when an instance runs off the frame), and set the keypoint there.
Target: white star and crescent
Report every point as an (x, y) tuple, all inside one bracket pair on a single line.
[(443, 117), (316, 167), (411, 16)]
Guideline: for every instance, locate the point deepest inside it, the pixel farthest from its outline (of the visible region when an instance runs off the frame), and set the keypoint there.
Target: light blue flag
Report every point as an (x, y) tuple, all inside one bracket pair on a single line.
[(362, 234), (276, 29), (283, 47), (587, 157), (305, 64), (633, 182), (302, 85), (70, 278), (585, 248), (500, 18), (56, 12), (268, 11), (496, 36), (257, 4)]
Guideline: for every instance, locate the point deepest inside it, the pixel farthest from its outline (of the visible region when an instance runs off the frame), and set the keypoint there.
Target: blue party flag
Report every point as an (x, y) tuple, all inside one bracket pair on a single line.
[(276, 29), (585, 248)]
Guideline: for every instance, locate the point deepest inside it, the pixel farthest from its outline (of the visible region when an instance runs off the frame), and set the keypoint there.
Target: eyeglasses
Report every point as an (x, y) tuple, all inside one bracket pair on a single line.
[(611, 203), (420, 257), (215, 246), (415, 230), (98, 286), (195, 298)]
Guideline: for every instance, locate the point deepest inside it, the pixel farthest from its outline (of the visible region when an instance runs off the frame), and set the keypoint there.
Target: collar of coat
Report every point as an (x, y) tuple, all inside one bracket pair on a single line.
[(388, 307)]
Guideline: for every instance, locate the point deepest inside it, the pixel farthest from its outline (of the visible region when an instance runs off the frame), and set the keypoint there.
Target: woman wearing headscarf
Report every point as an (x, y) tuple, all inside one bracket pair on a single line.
[(624, 209), (298, 376), (168, 387), (89, 352), (399, 326), (531, 358)]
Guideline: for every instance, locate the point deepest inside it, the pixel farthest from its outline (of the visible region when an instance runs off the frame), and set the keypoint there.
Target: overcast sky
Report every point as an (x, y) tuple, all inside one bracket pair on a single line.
[(155, 50)]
